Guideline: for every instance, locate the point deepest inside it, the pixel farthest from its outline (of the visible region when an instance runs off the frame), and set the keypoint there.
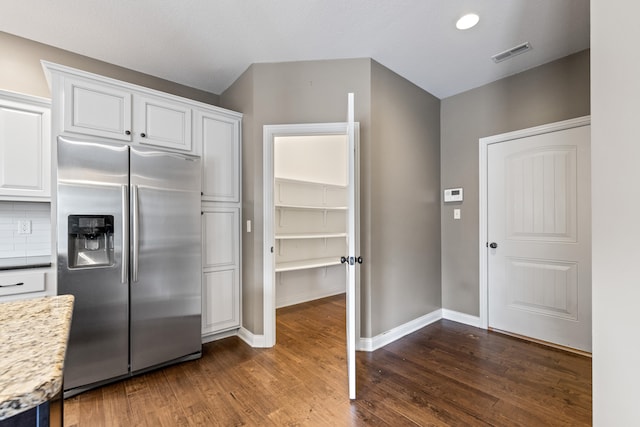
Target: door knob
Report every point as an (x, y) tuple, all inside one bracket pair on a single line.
[(351, 260), (493, 245)]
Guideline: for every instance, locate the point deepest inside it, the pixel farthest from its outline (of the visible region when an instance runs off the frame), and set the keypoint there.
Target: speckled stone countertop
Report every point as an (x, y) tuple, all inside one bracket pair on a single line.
[(33, 342)]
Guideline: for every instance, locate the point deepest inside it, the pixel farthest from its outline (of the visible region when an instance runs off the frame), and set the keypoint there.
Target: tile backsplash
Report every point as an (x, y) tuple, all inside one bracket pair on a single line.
[(36, 243)]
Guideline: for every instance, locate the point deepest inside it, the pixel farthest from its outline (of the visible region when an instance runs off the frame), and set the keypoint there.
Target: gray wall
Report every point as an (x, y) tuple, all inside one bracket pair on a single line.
[(240, 97), (401, 216), (284, 93), (21, 71), (393, 221), (549, 93)]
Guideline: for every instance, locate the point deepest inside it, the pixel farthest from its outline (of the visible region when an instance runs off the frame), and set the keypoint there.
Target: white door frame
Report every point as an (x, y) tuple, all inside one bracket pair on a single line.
[(483, 202), (268, 268)]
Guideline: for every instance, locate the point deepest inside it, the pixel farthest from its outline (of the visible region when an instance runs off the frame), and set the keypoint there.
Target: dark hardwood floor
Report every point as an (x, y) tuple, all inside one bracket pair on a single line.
[(445, 374)]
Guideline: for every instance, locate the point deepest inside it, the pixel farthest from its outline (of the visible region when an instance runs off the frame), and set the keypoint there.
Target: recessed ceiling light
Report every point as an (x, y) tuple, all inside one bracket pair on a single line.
[(467, 21)]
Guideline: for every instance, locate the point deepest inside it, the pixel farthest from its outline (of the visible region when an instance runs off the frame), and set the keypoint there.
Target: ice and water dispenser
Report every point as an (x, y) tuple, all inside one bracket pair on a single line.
[(90, 241)]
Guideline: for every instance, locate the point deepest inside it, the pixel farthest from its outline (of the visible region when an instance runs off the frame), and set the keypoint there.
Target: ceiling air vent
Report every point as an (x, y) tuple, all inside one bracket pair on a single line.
[(510, 53)]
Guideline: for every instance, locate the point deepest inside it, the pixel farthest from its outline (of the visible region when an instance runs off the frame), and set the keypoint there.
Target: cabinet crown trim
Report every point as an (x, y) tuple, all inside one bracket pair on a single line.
[(7, 95), (52, 68)]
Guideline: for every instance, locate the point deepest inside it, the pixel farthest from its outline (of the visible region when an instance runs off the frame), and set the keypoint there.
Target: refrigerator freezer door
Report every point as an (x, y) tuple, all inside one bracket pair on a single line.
[(92, 184), (165, 257)]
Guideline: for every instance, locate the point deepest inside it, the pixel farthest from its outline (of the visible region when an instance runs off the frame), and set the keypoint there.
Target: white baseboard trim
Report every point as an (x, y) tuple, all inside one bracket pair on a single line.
[(456, 316), (257, 341), (299, 299), (368, 344), (379, 341)]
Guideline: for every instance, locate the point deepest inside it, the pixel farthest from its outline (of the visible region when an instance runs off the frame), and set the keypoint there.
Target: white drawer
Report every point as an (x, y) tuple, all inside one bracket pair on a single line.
[(20, 283)]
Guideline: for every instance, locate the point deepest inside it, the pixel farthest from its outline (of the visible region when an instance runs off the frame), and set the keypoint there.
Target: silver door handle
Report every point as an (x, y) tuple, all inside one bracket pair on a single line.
[(125, 234), (135, 237), (351, 260)]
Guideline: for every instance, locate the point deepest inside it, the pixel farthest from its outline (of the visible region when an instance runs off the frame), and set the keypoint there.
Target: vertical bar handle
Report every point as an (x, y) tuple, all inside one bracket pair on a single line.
[(125, 234), (135, 233)]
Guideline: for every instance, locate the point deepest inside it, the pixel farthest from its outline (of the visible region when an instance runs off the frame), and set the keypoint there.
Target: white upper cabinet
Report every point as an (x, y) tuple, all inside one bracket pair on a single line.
[(162, 122), (97, 109), (25, 138), (220, 138), (99, 106), (103, 110)]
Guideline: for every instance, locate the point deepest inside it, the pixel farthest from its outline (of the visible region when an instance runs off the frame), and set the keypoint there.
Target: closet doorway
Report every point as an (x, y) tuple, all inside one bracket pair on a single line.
[(310, 175)]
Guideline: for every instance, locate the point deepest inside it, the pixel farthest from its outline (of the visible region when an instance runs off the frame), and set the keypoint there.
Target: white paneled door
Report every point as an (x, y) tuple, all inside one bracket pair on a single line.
[(351, 248), (293, 202), (539, 237)]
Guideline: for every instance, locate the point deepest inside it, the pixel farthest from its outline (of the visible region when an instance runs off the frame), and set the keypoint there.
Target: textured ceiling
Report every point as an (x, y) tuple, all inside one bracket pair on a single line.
[(207, 44)]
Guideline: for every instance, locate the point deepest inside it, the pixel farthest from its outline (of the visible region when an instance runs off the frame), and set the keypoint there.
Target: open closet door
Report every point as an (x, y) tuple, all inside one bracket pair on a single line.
[(351, 260)]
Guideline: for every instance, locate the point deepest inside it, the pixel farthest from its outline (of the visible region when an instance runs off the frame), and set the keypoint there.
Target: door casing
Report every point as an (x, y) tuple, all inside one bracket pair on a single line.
[(270, 132)]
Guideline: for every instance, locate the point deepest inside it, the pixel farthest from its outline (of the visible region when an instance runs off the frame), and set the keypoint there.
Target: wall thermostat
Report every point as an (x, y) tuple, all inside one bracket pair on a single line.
[(453, 195)]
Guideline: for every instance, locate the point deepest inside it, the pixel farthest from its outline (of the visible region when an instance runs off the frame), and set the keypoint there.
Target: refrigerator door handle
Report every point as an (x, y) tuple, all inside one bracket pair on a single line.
[(125, 234), (134, 233)]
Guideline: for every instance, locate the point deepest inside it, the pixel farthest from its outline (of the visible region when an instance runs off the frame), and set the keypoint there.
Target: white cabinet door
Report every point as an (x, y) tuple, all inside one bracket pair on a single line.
[(25, 141), (220, 237), (220, 139), (221, 269), (162, 122), (220, 301), (97, 109)]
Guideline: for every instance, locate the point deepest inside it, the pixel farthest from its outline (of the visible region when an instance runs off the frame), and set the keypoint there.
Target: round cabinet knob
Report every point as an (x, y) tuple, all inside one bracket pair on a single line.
[(493, 245), (127, 132), (144, 135)]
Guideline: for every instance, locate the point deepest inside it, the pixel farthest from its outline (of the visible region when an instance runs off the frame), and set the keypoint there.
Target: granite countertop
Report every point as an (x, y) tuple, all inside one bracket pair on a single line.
[(33, 337), (25, 262)]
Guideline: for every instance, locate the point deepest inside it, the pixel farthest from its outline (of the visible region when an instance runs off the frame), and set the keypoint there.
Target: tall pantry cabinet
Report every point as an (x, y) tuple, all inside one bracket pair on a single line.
[(96, 106), (220, 137)]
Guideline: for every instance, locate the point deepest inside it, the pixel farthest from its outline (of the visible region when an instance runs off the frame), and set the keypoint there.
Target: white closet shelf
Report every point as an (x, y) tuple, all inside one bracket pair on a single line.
[(304, 181), (307, 263), (309, 236), (319, 208)]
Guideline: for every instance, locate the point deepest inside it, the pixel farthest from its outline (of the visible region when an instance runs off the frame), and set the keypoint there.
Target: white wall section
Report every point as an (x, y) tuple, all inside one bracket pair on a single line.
[(615, 92)]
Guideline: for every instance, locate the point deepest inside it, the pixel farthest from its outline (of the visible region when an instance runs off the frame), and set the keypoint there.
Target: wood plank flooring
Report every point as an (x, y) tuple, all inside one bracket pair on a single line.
[(445, 374)]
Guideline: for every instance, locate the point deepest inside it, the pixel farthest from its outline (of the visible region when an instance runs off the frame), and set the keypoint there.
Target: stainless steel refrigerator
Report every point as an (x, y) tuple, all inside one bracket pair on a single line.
[(129, 245)]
